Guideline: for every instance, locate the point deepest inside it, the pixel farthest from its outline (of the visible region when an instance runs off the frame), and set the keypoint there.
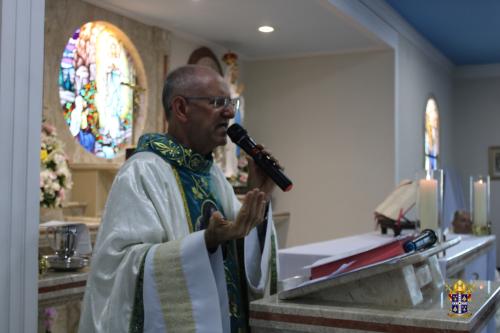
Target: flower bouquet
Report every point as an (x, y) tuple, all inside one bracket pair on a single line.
[(55, 177), (239, 180)]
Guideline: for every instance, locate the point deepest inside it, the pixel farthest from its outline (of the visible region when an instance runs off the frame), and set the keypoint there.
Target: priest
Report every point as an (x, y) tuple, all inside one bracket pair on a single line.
[(176, 250)]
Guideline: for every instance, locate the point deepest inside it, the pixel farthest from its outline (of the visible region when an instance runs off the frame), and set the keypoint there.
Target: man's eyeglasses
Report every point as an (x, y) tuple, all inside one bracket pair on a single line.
[(217, 102)]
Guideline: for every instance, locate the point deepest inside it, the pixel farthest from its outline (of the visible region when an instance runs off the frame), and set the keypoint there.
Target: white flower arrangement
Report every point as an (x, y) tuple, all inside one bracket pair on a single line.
[(55, 177)]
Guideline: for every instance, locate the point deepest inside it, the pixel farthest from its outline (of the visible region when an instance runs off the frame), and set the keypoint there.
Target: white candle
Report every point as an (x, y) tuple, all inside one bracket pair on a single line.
[(479, 216), (428, 208)]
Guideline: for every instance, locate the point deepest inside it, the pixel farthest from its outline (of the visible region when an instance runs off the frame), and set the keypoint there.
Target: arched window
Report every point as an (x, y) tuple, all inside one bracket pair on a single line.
[(431, 135), (97, 86)]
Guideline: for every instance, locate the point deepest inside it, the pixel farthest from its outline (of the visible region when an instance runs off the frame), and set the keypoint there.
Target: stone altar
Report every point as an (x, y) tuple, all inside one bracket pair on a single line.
[(271, 315), (471, 259)]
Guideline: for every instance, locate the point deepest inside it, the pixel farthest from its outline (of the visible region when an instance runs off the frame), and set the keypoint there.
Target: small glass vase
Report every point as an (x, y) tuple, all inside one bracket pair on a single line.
[(430, 200), (479, 198)]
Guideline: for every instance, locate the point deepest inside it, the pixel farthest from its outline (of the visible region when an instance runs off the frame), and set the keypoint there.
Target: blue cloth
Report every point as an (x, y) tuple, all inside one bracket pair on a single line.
[(87, 140)]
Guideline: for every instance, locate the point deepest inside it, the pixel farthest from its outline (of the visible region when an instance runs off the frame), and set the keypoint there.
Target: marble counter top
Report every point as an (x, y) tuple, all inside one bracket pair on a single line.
[(54, 287), (469, 248), (274, 315)]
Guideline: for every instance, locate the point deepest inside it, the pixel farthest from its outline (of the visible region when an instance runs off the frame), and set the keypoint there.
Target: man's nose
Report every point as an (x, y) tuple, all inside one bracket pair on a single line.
[(229, 112)]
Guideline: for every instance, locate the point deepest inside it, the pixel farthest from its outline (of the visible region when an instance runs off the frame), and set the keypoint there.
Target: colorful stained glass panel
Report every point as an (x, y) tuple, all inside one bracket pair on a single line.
[(431, 134), (96, 81)]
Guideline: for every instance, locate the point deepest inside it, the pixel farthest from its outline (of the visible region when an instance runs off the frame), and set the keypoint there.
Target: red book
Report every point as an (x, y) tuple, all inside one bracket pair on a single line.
[(370, 257)]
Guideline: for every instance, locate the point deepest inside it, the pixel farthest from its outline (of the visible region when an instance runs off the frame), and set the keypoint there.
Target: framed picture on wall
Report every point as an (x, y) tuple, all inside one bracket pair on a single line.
[(494, 162)]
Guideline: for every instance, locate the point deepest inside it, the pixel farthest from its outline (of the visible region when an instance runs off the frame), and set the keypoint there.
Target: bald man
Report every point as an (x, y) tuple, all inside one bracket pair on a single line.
[(166, 257)]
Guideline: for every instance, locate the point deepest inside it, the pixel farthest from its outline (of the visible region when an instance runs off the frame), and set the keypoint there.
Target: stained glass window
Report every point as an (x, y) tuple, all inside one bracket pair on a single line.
[(431, 134), (96, 81)]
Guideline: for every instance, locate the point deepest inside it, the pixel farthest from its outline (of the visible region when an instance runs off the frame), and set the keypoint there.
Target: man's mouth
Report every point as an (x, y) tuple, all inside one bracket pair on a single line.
[(223, 125)]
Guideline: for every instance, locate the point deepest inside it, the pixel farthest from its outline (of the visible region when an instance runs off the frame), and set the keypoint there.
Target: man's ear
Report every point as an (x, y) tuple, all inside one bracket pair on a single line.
[(180, 108)]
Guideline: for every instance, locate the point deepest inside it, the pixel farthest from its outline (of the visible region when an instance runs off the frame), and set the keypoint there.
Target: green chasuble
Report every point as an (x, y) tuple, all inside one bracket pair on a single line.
[(192, 172)]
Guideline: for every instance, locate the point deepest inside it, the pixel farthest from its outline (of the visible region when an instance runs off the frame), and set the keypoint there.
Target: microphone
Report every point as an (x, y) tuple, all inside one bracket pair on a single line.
[(240, 137), (426, 239)]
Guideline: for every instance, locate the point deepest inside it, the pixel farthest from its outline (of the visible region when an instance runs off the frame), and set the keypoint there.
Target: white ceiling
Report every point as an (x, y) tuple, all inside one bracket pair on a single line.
[(302, 27)]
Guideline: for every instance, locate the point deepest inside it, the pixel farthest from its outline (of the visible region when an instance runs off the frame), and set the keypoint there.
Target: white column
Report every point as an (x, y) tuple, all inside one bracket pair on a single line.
[(21, 87)]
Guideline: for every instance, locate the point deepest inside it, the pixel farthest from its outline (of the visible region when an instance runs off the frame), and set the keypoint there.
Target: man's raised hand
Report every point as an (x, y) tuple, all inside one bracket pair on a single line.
[(251, 214)]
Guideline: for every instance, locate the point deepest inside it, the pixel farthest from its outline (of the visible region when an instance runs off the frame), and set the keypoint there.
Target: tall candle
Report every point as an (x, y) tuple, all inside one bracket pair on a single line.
[(479, 216), (428, 207)]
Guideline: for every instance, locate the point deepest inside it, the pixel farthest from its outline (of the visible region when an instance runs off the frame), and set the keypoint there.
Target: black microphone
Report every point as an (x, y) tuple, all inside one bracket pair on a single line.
[(240, 137), (426, 239)]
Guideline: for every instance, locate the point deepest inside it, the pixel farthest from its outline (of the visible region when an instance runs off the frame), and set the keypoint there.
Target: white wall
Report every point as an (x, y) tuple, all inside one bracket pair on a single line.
[(476, 127), (420, 71), (418, 78), (330, 122)]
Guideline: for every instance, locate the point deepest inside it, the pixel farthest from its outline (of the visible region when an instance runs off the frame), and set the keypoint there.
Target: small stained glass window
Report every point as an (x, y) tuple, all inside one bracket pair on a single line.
[(96, 80), (431, 134)]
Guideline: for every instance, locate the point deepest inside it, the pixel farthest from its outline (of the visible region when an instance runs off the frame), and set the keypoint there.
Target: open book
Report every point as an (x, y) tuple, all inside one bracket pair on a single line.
[(386, 250), (399, 202)]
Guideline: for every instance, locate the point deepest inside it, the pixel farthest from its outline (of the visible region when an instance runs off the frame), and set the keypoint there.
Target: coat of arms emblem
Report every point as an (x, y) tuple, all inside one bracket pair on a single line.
[(460, 296)]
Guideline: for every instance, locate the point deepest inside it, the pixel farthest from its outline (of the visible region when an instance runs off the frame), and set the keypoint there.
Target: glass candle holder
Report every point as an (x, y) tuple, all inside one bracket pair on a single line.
[(479, 191), (430, 200)]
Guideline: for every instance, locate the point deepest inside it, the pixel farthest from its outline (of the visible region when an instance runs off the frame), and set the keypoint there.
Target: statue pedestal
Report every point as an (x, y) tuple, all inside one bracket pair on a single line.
[(91, 184)]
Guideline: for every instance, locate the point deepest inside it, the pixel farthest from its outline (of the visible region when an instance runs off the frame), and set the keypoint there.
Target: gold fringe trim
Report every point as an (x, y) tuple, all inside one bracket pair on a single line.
[(172, 288)]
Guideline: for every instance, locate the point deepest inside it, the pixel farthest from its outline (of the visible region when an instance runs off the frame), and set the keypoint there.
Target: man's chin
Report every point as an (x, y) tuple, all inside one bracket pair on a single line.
[(221, 141)]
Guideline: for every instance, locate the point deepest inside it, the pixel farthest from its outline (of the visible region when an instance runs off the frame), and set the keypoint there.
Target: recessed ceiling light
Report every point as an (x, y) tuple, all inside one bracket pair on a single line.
[(266, 29)]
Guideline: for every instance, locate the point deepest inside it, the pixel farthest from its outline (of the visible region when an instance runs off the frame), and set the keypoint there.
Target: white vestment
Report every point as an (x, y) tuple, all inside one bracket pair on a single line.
[(184, 288)]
